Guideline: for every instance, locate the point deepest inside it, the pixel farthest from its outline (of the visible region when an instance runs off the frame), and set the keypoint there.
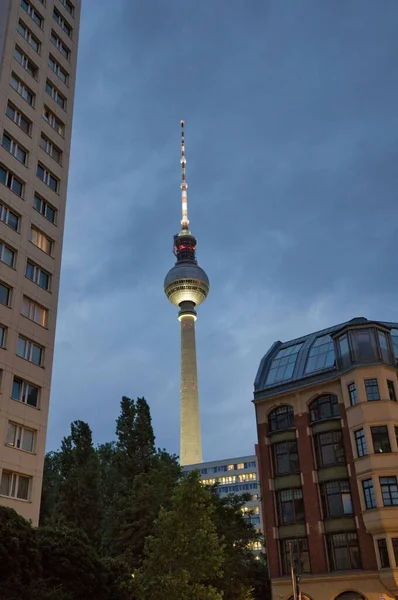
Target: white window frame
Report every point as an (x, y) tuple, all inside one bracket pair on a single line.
[(60, 46), (34, 311), (69, 7), (9, 181), (28, 36), (55, 94), (47, 176), (53, 121), (50, 148), (5, 213), (24, 392), (41, 240), (15, 147), (63, 23), (36, 275), (23, 90), (14, 485), (25, 62), (18, 436), (18, 117), (33, 13), (29, 348), (58, 70), (43, 208), (3, 336), (3, 249)]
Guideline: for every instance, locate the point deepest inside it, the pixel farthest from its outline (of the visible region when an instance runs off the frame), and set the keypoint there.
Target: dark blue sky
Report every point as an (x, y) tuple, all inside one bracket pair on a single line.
[(292, 148)]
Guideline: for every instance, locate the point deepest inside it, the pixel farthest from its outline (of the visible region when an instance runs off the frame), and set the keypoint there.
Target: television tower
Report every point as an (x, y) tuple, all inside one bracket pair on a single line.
[(186, 285)]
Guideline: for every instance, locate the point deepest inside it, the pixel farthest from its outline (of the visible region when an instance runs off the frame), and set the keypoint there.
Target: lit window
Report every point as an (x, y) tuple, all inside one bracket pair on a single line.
[(380, 439), (9, 217), (18, 118), (360, 440), (352, 391), (321, 355), (29, 37), (369, 494), (343, 550), (55, 94), (58, 43), (44, 208), (51, 149), (38, 275), (53, 121), (11, 181), (231, 467), (47, 177), (5, 294), (22, 89), (20, 437), (14, 485), (32, 12), (324, 407), (34, 311), (25, 392), (14, 148), (282, 366), (39, 239), (58, 70), (7, 255), (25, 62), (240, 466), (391, 390), (247, 477), (372, 390), (389, 491), (30, 351), (336, 499), (62, 23), (383, 553), (281, 418)]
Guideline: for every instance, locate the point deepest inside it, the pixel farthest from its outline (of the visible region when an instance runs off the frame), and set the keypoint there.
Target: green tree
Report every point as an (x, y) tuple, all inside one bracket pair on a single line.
[(184, 556), (79, 500), (50, 489)]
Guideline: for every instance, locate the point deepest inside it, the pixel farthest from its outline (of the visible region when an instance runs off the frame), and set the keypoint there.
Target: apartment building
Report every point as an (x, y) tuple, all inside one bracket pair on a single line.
[(327, 417), (38, 54)]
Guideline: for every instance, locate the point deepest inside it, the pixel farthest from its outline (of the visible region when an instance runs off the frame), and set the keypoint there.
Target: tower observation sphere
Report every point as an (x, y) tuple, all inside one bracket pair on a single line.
[(186, 286)]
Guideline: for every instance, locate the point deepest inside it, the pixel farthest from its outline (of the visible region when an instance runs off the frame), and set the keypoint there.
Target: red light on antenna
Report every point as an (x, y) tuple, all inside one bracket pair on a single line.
[(182, 123)]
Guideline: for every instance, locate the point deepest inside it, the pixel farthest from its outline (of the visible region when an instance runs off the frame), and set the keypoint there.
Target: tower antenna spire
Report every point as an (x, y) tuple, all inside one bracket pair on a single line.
[(184, 185)]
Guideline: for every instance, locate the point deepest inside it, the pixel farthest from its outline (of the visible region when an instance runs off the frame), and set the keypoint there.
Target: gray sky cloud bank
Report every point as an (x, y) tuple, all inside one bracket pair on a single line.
[(292, 146)]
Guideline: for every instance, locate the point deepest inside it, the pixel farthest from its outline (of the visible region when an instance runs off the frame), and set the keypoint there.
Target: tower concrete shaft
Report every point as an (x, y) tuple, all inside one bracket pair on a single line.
[(190, 434)]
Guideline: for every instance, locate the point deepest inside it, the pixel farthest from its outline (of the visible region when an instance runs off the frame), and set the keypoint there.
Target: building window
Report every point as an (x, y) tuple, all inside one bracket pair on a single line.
[(24, 392), (5, 294), (384, 349), (281, 418), (395, 548), (344, 349), (383, 553), (62, 23), (394, 339), (240, 466), (330, 449), (360, 440), (32, 12), (53, 121), (68, 6), (29, 37), (25, 62), (389, 491), (57, 69), (55, 94), (39, 239), (343, 550), (37, 275), (44, 208), (301, 557), (391, 390), (282, 366), (58, 43), (11, 181), (30, 351), (20, 437), (247, 477), (3, 333), (324, 407), (352, 391), (321, 355), (380, 439), (14, 148), (34, 311), (364, 345), (286, 459), (51, 149), (14, 485), (7, 255), (336, 499), (290, 506), (18, 118), (9, 217), (372, 390), (369, 494), (47, 177), (22, 89)]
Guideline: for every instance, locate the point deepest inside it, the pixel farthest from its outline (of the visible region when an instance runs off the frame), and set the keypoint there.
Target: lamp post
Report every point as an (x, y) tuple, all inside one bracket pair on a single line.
[(295, 576)]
